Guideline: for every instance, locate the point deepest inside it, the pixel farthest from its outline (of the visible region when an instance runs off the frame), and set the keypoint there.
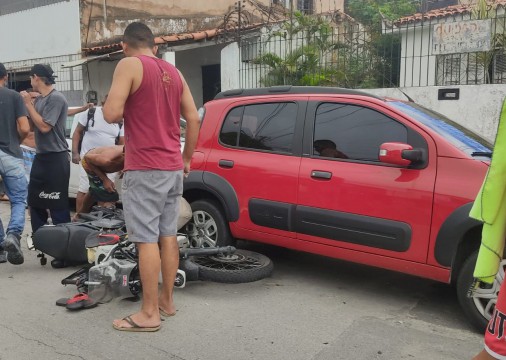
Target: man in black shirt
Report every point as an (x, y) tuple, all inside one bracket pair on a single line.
[(49, 178), (14, 127)]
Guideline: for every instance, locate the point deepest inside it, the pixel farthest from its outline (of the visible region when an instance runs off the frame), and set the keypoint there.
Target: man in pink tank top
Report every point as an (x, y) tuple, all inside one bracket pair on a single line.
[(151, 95)]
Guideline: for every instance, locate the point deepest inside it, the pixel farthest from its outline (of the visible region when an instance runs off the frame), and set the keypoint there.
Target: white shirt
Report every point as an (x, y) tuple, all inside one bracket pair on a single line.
[(100, 133)]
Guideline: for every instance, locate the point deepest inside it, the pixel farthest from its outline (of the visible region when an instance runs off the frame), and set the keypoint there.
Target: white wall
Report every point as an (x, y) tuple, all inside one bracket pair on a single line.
[(418, 66), (190, 63), (478, 107), (230, 67), (45, 31), (100, 77)]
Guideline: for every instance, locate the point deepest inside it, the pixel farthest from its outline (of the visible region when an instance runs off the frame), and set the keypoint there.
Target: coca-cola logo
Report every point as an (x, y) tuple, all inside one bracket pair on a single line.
[(50, 196)]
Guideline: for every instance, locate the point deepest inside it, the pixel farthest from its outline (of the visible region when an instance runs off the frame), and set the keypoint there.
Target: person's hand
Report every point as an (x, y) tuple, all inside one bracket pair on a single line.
[(76, 158), (90, 105), (186, 170), (27, 99), (109, 185)]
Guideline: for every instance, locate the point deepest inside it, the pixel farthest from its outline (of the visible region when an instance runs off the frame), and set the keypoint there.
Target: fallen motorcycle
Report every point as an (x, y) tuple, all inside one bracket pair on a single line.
[(112, 270)]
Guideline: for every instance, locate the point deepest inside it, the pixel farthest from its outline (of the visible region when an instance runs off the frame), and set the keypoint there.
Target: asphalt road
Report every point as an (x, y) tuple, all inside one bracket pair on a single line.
[(311, 308)]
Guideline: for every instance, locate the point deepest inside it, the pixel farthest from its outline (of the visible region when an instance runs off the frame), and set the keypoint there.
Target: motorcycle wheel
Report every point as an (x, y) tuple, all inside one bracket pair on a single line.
[(240, 267)]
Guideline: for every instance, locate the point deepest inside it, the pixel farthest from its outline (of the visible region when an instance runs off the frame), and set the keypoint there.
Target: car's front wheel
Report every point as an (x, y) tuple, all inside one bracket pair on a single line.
[(208, 226), (478, 305)]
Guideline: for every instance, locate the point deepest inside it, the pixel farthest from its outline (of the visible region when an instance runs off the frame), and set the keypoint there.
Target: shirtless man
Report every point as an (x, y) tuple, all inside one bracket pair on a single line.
[(98, 163)]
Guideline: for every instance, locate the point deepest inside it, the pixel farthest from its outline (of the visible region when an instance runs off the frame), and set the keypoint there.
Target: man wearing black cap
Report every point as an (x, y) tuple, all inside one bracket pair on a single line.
[(13, 129), (49, 178)]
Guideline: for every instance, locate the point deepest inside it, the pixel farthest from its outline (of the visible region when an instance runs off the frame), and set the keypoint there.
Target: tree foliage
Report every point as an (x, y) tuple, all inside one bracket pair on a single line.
[(371, 12)]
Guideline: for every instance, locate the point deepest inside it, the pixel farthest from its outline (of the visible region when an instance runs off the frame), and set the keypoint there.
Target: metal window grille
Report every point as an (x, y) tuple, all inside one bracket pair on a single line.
[(305, 6), (69, 81), (354, 55)]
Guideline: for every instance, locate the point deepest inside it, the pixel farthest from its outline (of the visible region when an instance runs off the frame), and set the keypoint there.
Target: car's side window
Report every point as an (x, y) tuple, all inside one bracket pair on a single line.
[(269, 127), (353, 132), (229, 134)]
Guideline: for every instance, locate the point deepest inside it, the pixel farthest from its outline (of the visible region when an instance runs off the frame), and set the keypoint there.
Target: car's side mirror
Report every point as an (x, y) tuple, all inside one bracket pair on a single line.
[(399, 154)]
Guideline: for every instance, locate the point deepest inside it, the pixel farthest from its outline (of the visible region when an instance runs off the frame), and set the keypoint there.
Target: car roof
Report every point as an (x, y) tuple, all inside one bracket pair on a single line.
[(289, 89)]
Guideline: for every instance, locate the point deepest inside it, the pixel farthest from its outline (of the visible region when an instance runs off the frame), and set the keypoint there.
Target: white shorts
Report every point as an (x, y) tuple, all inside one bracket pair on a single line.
[(84, 183)]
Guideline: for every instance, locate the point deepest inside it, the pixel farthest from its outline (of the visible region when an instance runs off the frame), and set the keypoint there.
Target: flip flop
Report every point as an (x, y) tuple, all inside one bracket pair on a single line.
[(135, 327), (166, 314), (80, 301), (62, 302)]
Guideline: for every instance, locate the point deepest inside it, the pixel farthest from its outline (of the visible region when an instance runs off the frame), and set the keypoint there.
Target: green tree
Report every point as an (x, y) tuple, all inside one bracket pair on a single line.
[(371, 12), (309, 45)]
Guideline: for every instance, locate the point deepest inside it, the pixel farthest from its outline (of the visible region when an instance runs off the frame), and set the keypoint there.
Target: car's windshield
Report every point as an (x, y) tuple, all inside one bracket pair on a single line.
[(462, 138)]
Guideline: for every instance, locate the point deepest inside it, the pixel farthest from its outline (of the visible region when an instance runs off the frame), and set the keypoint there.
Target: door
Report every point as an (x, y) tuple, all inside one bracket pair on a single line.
[(211, 81), (347, 198), (258, 152)]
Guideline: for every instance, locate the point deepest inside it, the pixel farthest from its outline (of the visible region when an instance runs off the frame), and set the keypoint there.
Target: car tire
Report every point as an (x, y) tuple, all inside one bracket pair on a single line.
[(475, 308), (208, 226)]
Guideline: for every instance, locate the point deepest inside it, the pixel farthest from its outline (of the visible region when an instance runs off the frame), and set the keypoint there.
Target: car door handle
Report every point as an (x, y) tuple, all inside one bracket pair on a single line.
[(315, 174), (229, 164)]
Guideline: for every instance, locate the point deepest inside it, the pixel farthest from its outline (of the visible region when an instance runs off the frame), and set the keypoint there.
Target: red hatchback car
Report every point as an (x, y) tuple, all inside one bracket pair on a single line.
[(344, 174)]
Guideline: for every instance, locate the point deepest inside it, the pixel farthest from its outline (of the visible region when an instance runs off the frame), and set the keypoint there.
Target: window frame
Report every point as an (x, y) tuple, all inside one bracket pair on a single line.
[(414, 137), (298, 129)]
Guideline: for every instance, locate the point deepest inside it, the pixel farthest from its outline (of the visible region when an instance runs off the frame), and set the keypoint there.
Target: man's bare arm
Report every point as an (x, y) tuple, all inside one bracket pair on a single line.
[(78, 110), (122, 82), (190, 114), (23, 126), (76, 139)]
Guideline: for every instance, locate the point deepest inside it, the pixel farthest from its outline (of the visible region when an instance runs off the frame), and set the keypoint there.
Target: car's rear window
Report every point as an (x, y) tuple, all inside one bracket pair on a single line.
[(462, 138)]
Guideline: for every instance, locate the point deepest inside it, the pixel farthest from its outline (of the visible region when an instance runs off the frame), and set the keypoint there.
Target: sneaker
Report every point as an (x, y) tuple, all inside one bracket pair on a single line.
[(3, 256), (12, 245), (29, 242)]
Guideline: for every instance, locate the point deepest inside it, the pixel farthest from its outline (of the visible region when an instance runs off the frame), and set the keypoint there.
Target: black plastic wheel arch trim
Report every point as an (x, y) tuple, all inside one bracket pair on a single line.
[(217, 186), (452, 233)]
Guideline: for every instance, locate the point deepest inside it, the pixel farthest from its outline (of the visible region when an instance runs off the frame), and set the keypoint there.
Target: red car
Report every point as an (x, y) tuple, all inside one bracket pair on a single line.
[(344, 174)]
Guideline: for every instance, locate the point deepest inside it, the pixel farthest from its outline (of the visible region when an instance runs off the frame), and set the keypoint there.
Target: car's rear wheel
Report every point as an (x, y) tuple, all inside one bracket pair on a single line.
[(478, 305), (208, 226)]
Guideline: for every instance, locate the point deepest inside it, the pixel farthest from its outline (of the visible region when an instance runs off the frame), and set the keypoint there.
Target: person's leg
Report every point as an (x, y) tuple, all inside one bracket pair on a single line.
[(169, 251), (60, 216), (38, 218), (142, 208), (84, 186), (3, 254), (149, 268), (168, 239), (16, 188), (484, 356), (495, 334)]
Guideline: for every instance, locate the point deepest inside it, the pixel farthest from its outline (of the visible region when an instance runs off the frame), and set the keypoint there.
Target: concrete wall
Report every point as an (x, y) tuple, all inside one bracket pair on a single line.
[(41, 32), (478, 107), (190, 63), (418, 66), (230, 67), (105, 21), (100, 77)]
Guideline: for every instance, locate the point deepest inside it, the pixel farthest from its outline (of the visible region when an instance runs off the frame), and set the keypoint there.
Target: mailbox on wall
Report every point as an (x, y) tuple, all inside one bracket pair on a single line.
[(448, 94)]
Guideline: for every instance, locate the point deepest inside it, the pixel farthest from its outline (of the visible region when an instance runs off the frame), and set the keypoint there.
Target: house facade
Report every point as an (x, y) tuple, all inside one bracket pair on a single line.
[(31, 32), (190, 34), (454, 45)]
